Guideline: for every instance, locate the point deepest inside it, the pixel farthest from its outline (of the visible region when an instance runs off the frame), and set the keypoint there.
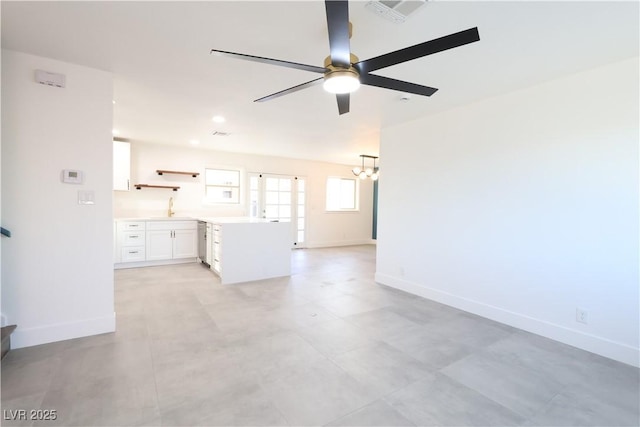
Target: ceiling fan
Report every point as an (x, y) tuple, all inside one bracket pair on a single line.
[(343, 72)]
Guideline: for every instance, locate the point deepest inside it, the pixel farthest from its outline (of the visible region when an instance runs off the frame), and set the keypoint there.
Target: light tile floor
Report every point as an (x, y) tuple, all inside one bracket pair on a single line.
[(326, 346)]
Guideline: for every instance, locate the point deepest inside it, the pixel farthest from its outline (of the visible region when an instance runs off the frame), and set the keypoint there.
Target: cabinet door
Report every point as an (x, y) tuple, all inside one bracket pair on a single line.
[(216, 249), (185, 244), (159, 245), (121, 165)]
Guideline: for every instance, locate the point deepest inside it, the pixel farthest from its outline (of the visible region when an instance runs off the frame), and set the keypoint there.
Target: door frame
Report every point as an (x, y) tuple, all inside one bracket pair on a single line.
[(261, 202)]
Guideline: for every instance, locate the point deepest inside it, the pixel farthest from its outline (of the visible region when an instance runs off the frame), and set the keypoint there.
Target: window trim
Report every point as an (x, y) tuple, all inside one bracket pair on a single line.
[(209, 201), (356, 195)]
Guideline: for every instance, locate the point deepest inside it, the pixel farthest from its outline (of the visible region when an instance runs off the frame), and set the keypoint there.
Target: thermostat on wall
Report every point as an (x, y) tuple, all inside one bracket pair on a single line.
[(70, 176)]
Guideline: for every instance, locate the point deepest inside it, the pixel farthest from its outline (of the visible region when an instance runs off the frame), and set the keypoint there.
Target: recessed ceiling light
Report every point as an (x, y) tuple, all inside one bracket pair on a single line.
[(218, 119), (114, 101), (115, 132), (194, 142)]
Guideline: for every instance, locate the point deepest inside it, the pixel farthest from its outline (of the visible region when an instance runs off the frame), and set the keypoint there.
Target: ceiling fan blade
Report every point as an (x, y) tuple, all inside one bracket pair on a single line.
[(418, 51), (270, 61), (338, 26), (393, 84), (343, 103), (290, 90)]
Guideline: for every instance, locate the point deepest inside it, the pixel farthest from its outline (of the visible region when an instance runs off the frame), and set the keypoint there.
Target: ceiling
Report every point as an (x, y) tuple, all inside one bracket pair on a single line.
[(167, 85)]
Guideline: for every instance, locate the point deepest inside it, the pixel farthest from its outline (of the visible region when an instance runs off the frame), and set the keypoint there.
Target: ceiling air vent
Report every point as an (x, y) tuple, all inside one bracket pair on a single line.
[(395, 10), (218, 133)]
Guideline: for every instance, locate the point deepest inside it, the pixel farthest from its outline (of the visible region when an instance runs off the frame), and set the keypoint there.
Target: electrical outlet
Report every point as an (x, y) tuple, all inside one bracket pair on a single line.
[(581, 315)]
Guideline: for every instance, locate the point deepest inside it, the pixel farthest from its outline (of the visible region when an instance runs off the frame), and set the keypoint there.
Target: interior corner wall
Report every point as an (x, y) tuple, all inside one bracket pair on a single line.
[(57, 271), (523, 208)]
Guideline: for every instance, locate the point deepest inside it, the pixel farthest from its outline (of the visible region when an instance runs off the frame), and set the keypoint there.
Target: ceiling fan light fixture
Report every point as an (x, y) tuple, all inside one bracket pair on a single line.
[(341, 81)]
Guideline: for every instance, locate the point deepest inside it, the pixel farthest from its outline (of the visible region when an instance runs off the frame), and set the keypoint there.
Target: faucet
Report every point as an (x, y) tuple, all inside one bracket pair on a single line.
[(170, 212)]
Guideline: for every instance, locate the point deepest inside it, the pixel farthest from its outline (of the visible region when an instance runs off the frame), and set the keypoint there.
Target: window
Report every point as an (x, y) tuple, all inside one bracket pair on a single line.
[(222, 186), (342, 194)]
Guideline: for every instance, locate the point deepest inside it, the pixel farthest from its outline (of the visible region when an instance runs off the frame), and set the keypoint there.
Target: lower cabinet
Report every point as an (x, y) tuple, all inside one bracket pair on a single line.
[(216, 252), (185, 243), (159, 244), (140, 243), (208, 241), (172, 240), (130, 241)]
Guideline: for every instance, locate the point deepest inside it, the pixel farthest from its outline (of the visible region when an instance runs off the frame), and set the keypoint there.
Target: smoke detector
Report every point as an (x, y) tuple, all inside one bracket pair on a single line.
[(395, 10)]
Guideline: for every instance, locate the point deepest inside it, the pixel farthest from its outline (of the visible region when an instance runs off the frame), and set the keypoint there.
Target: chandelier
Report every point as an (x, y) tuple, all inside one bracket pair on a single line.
[(364, 173)]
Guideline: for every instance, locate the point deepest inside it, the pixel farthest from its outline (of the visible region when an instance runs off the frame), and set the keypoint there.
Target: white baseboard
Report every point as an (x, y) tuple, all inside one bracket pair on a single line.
[(121, 265), (62, 331), (339, 243), (604, 347)]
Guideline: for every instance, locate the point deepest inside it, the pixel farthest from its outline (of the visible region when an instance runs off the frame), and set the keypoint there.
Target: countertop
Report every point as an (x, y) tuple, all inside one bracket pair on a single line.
[(215, 220)]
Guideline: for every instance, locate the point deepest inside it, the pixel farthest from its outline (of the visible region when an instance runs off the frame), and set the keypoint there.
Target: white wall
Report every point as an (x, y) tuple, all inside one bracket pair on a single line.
[(522, 208), (57, 270), (323, 228)]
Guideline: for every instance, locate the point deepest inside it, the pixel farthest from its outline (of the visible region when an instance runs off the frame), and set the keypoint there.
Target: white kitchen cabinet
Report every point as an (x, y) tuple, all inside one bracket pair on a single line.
[(130, 241), (216, 243), (121, 165), (209, 242), (168, 240), (159, 244), (146, 242), (185, 243)]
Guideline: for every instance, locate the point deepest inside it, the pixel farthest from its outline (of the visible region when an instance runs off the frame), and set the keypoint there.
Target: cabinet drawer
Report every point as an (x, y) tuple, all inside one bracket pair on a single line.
[(133, 253), (133, 238), (131, 225)]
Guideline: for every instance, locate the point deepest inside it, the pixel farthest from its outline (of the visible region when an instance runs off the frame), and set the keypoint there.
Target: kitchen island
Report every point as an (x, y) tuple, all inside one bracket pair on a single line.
[(244, 249)]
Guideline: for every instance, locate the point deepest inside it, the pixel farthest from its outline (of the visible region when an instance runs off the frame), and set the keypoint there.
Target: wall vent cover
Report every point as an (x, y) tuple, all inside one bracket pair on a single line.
[(218, 133), (395, 10)]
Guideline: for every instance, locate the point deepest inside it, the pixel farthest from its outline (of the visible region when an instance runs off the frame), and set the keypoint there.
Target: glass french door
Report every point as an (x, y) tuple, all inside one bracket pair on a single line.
[(279, 198)]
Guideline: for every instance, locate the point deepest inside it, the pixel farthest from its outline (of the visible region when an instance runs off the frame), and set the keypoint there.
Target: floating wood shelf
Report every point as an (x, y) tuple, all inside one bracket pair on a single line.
[(140, 186), (162, 172)]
